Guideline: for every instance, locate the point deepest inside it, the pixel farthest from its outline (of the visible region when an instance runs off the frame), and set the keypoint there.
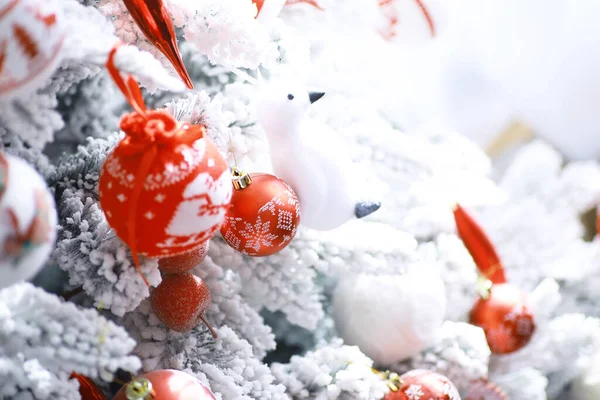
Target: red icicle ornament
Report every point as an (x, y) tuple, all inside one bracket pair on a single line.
[(479, 246), (87, 388), (154, 20)]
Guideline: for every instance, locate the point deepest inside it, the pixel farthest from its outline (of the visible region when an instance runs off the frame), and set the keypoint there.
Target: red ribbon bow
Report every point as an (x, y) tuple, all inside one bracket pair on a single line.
[(147, 134)]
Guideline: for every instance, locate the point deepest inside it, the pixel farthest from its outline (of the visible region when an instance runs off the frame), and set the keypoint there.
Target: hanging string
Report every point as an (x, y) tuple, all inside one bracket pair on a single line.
[(145, 139)]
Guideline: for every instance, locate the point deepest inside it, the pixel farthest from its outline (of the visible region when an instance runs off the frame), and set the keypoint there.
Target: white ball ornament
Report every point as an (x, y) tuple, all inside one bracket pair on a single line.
[(28, 221), (390, 317), (31, 39)]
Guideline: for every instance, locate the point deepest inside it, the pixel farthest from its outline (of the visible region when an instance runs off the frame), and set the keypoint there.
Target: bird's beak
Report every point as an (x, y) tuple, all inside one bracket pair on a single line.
[(314, 96)]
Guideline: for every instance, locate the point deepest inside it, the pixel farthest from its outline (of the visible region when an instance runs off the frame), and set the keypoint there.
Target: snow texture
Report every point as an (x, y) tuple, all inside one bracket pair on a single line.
[(45, 339), (332, 372)]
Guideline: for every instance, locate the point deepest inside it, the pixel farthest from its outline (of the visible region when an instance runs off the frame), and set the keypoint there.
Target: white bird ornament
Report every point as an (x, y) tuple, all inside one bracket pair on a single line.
[(310, 157)]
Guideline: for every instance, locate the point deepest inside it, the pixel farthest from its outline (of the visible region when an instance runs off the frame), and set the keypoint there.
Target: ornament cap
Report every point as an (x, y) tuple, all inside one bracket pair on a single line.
[(484, 287), (240, 179), (139, 389)]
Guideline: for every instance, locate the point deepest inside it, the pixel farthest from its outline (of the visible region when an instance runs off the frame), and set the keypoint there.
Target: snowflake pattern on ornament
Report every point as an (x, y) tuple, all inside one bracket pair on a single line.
[(414, 392), (257, 235)]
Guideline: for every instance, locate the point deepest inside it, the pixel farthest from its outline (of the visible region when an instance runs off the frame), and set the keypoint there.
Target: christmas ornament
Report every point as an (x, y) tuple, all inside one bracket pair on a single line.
[(180, 302), (481, 249), (88, 389), (504, 317), (267, 10), (154, 20), (484, 390), (165, 188), (184, 262), (310, 157), (264, 214), (31, 39), (391, 12), (390, 317), (421, 384), (165, 384), (27, 221)]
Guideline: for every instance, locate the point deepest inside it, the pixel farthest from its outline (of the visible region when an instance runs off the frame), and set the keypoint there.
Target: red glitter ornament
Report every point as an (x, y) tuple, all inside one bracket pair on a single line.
[(154, 20), (421, 384), (164, 188), (87, 388), (479, 246), (180, 302), (481, 389), (507, 322), (164, 384), (263, 217), (184, 262)]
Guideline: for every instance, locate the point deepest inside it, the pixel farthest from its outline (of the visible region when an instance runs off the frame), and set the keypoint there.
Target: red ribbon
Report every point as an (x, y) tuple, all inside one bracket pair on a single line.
[(479, 246), (147, 134)]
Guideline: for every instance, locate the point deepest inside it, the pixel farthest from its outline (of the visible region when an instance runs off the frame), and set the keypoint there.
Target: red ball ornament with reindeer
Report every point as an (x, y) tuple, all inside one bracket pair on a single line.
[(28, 221), (31, 40), (165, 188), (264, 215), (501, 310), (164, 384), (420, 384)]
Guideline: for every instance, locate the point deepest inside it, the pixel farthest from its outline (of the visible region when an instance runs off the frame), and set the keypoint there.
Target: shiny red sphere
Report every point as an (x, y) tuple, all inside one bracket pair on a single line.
[(263, 217), (507, 322), (170, 384), (421, 384), (184, 262), (180, 301)]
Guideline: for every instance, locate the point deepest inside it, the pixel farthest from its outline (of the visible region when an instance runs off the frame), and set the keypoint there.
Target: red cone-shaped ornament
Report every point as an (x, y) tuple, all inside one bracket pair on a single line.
[(164, 384), (479, 246), (154, 20), (506, 321), (88, 389)]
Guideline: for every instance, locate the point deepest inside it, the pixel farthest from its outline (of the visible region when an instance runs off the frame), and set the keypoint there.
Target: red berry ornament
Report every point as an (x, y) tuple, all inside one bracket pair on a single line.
[(423, 385), (165, 188), (180, 302), (507, 322), (184, 262), (31, 39), (484, 390), (263, 217), (164, 384)]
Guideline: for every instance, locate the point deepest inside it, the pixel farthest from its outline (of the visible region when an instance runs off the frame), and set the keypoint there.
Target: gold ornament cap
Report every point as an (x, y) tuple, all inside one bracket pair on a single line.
[(139, 389), (240, 179), (484, 287)]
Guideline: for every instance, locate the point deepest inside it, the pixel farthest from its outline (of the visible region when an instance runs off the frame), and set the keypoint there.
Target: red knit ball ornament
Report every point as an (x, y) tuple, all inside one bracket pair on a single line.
[(507, 322), (164, 384), (263, 217), (180, 302), (184, 262), (421, 384)]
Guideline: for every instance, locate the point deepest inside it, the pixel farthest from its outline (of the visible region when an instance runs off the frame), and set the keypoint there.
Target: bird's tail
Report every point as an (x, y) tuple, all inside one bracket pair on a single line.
[(365, 208)]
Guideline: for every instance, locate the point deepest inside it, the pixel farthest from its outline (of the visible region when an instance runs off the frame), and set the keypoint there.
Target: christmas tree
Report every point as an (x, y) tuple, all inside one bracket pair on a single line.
[(268, 200)]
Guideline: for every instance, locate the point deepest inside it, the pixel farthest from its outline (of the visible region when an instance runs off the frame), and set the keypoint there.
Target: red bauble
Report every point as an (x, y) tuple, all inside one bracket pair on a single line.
[(421, 384), (507, 322), (180, 302), (31, 39), (484, 390), (154, 20), (184, 262), (88, 389), (164, 384), (263, 217)]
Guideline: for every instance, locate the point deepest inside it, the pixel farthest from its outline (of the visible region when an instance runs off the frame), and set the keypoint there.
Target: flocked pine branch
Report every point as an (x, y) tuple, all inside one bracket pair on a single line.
[(461, 354), (46, 339), (332, 372), (226, 364)]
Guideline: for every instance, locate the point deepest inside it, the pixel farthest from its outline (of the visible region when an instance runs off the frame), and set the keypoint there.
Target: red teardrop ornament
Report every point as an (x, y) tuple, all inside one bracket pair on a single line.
[(154, 20), (479, 246)]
